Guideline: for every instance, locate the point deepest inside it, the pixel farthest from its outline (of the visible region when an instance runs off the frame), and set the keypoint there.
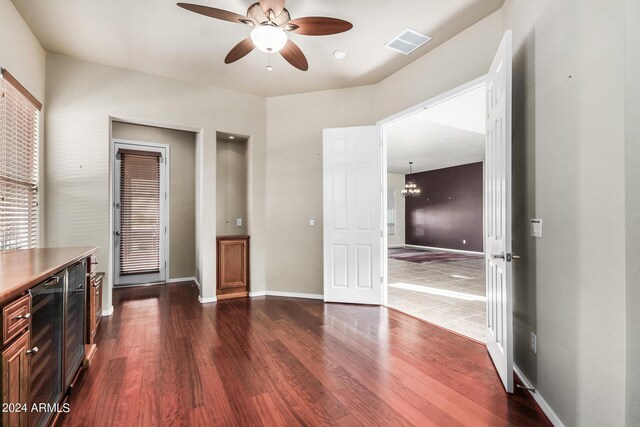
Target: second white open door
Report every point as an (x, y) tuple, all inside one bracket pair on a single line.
[(497, 197), (352, 215)]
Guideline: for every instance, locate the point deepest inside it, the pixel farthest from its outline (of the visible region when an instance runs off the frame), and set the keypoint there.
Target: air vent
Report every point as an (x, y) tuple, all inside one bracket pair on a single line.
[(407, 41)]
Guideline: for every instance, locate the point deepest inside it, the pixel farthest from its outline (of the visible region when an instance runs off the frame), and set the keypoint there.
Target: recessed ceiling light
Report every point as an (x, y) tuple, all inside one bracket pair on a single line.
[(339, 54)]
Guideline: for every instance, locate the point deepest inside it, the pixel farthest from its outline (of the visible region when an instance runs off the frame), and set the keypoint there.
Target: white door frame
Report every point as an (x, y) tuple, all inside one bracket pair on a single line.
[(383, 124), (165, 186)]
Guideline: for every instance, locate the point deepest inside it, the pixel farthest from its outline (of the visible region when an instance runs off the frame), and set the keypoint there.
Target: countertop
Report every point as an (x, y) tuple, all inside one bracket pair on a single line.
[(23, 269)]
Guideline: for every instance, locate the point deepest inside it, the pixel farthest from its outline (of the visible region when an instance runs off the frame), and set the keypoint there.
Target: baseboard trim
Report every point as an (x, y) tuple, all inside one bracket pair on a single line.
[(108, 312), (555, 420), (197, 283), (455, 251), (395, 246), (285, 295), (207, 300), (183, 279)]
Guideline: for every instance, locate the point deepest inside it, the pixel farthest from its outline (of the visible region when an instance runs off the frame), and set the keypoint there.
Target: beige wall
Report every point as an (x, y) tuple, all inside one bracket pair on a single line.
[(231, 194), (20, 52), (82, 98), (182, 191), (568, 99), (632, 90), (396, 181), (294, 180), (22, 55)]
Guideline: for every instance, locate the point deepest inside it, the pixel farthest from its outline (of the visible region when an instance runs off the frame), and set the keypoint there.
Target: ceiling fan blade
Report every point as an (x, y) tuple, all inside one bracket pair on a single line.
[(320, 26), (212, 12), (275, 5), (294, 56), (239, 51)]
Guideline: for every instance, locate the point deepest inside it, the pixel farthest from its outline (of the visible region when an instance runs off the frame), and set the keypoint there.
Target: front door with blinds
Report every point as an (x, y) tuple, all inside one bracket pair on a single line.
[(140, 226)]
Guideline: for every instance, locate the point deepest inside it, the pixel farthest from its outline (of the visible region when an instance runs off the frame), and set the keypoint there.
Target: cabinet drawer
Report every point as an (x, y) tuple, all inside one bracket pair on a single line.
[(15, 318)]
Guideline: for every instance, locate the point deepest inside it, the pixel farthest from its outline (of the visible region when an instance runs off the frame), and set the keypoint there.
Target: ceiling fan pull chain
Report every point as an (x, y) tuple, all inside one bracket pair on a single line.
[(269, 67)]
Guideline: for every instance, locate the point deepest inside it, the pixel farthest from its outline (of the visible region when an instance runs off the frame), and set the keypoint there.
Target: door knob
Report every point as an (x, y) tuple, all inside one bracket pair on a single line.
[(498, 256), (34, 350)]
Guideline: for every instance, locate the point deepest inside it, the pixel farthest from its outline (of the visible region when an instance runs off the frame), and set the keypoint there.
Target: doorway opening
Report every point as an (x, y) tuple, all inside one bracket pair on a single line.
[(435, 244), (154, 218)]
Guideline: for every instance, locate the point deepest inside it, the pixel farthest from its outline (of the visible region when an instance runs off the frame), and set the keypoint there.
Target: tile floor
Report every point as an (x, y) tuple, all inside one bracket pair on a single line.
[(450, 294)]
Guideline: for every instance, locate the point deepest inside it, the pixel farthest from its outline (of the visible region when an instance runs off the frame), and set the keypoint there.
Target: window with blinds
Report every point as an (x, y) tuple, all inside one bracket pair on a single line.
[(139, 212), (19, 117)]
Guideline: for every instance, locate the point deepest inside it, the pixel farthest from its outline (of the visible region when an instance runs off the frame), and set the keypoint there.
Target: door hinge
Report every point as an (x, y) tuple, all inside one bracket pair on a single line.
[(381, 233)]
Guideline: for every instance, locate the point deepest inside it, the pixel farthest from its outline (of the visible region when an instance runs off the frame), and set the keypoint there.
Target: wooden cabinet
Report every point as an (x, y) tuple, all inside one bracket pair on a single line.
[(15, 383), (233, 266), (94, 305), (98, 293)]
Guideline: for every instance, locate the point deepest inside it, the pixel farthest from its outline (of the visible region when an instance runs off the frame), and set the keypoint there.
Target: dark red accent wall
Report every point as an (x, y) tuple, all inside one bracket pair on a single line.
[(449, 210)]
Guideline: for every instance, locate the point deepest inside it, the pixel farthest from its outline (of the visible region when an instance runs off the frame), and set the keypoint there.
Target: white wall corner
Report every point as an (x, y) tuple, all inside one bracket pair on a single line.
[(555, 420)]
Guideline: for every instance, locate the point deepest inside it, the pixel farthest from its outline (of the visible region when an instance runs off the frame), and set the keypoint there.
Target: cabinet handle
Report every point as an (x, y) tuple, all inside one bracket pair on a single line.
[(23, 316), (34, 350), (52, 282)]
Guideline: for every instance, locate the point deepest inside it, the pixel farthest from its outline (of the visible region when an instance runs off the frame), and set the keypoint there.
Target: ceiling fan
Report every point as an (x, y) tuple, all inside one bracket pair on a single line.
[(271, 22)]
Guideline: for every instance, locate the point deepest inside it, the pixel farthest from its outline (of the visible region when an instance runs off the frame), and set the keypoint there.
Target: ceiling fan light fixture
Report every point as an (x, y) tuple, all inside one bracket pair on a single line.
[(268, 38)]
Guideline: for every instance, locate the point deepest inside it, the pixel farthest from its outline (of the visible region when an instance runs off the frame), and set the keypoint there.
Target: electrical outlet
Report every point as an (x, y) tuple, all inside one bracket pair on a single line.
[(312, 222), (534, 343)]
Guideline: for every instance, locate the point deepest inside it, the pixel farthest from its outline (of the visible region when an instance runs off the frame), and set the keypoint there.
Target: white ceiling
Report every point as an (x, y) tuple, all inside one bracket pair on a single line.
[(448, 134), (157, 37)]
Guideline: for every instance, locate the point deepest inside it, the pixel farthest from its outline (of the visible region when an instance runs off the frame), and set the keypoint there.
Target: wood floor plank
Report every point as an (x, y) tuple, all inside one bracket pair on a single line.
[(165, 359)]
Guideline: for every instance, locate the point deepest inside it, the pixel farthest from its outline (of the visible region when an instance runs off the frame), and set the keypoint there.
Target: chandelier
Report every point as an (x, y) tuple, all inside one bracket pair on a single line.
[(411, 188)]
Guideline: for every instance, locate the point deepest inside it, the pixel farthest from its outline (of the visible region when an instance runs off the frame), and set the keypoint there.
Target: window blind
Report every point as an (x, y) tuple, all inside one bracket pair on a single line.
[(19, 117), (139, 212)]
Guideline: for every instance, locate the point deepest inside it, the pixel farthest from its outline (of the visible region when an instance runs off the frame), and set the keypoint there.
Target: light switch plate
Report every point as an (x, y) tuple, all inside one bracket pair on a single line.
[(239, 222), (312, 222), (536, 228)]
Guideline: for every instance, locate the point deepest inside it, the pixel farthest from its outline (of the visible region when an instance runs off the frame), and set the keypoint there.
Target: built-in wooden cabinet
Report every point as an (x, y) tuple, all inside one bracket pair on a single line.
[(233, 266), (15, 382)]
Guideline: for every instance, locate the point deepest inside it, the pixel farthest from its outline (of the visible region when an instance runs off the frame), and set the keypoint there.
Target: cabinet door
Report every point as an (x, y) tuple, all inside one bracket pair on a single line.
[(15, 382), (91, 310), (233, 262), (98, 294)]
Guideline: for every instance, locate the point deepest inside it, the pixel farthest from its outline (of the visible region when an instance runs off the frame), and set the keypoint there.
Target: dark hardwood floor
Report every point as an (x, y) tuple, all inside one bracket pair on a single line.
[(165, 359)]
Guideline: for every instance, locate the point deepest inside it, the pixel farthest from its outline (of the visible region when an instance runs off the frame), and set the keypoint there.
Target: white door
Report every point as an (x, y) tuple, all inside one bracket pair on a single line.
[(352, 215), (140, 214), (498, 214)]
